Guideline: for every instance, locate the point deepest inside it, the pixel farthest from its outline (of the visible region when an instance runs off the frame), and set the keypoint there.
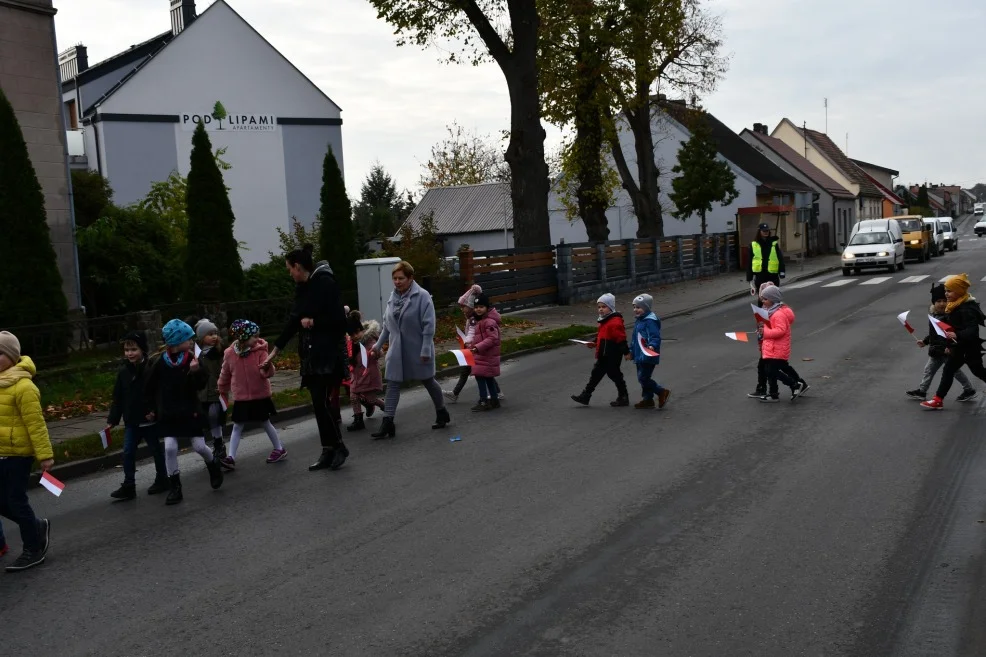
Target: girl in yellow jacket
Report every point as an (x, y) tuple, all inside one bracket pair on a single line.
[(23, 438)]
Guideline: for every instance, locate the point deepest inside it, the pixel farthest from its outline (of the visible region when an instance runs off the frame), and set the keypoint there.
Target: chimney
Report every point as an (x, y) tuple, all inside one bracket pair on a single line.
[(760, 128), (73, 61), (182, 15)]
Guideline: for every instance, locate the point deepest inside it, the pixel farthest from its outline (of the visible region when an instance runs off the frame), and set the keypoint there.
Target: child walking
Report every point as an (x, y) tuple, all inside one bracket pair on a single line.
[(486, 348), (611, 347), (938, 351), (647, 331), (964, 317), (242, 373), (367, 381), (776, 338), (466, 303), (211, 360), (129, 405), (22, 424), (172, 392), (761, 389)]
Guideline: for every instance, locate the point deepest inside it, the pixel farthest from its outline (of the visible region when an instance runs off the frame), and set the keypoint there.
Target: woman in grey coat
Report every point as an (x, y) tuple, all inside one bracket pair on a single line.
[(409, 329)]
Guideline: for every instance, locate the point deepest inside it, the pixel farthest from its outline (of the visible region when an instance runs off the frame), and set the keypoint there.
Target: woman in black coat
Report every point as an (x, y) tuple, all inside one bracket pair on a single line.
[(319, 317)]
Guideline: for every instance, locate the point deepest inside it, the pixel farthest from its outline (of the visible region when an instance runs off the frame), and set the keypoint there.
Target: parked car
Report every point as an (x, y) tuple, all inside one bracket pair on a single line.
[(948, 232), (875, 243), (978, 208), (980, 228), (917, 236), (938, 236)]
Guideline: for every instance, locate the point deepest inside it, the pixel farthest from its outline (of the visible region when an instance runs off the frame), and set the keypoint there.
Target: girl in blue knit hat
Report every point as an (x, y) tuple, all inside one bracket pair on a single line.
[(645, 351), (172, 390)]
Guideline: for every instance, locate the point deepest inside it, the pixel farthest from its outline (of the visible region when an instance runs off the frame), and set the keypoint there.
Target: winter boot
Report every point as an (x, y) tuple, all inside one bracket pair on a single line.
[(174, 495), (219, 448), (160, 485), (339, 456), (125, 492), (582, 398), (370, 408), (215, 472), (442, 419), (622, 400), (387, 429), (323, 461), (645, 403), (357, 424)]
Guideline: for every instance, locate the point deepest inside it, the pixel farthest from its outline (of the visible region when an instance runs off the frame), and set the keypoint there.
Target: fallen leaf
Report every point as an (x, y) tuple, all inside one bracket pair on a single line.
[(826, 377), (807, 360)]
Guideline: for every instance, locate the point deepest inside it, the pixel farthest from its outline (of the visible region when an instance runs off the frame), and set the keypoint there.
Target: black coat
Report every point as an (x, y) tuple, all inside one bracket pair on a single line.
[(322, 348), (129, 403), (765, 246), (173, 394), (965, 322)]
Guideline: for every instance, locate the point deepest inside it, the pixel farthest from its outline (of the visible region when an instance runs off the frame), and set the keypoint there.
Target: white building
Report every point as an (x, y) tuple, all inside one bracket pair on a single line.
[(131, 118)]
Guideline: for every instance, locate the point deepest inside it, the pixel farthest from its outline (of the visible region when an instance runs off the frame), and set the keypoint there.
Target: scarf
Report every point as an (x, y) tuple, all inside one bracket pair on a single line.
[(166, 357), (952, 305), (603, 318), (773, 309), (241, 349), (11, 376)]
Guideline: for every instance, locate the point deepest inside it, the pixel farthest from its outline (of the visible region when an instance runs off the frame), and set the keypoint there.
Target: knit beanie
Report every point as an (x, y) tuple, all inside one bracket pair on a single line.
[(10, 346), (644, 301), (609, 300), (482, 300), (937, 293), (205, 327), (243, 330), (772, 293), (176, 332), (469, 298), (958, 284), (764, 286), (139, 339)]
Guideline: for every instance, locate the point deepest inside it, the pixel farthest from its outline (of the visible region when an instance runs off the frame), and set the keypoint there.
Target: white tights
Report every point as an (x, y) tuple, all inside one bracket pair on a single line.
[(237, 435), (171, 452)]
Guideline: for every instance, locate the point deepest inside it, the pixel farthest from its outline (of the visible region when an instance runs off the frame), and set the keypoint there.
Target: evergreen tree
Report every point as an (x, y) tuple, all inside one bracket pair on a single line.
[(379, 204), (212, 256), (30, 284), (703, 179), (923, 201), (338, 239)]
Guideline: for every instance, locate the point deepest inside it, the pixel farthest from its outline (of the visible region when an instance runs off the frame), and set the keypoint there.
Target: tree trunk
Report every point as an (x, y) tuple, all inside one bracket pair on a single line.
[(589, 139), (525, 154), (702, 214)]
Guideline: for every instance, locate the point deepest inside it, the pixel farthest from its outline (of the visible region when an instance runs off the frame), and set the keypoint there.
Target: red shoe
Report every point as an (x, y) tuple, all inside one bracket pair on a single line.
[(4, 549), (935, 404)]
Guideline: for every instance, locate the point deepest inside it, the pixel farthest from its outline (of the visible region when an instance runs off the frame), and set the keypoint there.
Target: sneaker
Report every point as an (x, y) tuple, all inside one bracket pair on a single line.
[(125, 492), (769, 399), (645, 403), (967, 395), (25, 561), (451, 396), (662, 397), (500, 396), (228, 463), (933, 404), (799, 389), (277, 455), (44, 532), (4, 549), (917, 394), (757, 394)]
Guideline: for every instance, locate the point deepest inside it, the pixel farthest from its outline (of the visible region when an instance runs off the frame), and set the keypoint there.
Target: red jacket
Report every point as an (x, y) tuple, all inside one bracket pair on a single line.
[(243, 375), (777, 334), (487, 345), (611, 340)]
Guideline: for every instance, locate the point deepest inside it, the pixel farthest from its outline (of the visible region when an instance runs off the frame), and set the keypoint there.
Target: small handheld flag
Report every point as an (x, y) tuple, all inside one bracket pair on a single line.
[(739, 337), (224, 402), (54, 486), (104, 437), (579, 341), (902, 318), (940, 327), (465, 358), (363, 355), (760, 313), (644, 348), (461, 337), (198, 351)]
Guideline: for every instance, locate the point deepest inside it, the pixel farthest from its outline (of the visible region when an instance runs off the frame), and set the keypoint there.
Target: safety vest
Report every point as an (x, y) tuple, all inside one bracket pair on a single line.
[(773, 262)]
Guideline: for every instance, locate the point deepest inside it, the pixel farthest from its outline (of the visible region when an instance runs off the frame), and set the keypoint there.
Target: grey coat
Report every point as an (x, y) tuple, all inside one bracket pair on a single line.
[(410, 332)]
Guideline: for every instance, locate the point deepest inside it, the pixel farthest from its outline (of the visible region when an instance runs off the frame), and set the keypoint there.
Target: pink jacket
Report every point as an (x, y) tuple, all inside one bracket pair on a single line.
[(487, 345), (369, 378), (777, 334), (244, 375)]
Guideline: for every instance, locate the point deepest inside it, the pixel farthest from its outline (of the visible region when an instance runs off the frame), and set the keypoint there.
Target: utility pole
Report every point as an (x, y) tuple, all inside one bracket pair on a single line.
[(804, 132), (847, 144), (826, 116)]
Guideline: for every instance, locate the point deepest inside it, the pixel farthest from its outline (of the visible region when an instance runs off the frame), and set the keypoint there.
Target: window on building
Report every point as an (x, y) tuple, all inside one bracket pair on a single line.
[(71, 116)]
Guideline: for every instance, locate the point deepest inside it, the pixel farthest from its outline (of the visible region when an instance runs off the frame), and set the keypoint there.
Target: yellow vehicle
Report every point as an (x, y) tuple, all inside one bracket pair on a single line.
[(918, 236)]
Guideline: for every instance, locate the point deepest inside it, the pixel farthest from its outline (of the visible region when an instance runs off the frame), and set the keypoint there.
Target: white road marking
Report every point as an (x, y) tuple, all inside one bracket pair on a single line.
[(840, 283), (944, 278), (795, 286), (876, 281), (913, 279)]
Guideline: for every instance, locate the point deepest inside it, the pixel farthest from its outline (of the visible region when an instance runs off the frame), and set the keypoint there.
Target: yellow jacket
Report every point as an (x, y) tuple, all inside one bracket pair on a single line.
[(23, 431)]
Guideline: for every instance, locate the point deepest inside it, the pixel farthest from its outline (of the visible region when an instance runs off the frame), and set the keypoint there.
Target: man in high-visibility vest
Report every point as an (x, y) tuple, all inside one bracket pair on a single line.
[(766, 262)]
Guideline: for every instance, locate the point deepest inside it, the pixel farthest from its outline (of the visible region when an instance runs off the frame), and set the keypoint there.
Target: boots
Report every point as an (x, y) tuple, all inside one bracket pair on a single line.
[(622, 400), (174, 495), (215, 472), (339, 456), (582, 398), (387, 429), (324, 460), (442, 419), (125, 492), (357, 424), (160, 485), (370, 408), (219, 448)]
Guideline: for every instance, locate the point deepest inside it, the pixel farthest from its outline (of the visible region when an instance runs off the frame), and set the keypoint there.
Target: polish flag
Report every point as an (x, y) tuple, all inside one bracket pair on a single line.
[(902, 318), (223, 402), (644, 348), (739, 337), (54, 486), (461, 337), (198, 351), (104, 437), (363, 355), (941, 328), (761, 314), (465, 358)]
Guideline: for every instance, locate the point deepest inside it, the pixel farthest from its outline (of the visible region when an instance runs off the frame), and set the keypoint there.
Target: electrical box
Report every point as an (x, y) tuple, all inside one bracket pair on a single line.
[(374, 282)]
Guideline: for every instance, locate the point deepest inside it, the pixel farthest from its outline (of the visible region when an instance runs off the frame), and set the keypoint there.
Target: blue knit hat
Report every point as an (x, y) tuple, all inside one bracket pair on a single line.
[(176, 332)]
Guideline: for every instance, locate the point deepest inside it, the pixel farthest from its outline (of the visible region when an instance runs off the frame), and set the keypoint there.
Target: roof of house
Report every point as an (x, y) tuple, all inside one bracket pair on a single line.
[(143, 63), (134, 55), (812, 172), (874, 166), (887, 193), (970, 194), (465, 209), (937, 202), (839, 159), (735, 149)]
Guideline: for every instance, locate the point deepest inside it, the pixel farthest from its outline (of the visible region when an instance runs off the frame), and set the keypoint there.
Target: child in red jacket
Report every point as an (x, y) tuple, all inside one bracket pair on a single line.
[(611, 347), (486, 347)]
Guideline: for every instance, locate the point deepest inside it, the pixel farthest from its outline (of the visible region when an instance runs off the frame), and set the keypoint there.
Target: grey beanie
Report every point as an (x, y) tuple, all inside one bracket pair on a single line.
[(204, 327), (772, 293), (609, 300), (644, 301)]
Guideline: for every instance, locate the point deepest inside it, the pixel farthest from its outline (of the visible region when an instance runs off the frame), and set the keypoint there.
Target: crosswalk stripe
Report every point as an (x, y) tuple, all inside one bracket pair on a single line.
[(795, 286), (943, 279), (982, 279), (840, 283), (914, 279), (876, 281)]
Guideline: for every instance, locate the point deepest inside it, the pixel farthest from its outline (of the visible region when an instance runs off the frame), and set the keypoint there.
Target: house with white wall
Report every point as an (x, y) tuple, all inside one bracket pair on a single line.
[(137, 111)]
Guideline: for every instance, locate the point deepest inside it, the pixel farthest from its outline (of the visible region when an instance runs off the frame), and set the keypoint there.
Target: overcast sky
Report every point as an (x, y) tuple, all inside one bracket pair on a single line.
[(902, 78)]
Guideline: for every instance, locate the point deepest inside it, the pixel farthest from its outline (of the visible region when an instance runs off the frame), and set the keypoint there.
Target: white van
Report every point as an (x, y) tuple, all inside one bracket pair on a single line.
[(978, 208), (937, 235), (948, 232), (875, 243)]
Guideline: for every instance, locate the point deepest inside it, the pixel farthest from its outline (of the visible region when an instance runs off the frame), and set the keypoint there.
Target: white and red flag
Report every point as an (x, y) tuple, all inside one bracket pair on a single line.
[(644, 348), (461, 337), (104, 437), (763, 317), (363, 355), (902, 318), (223, 402), (941, 328), (54, 486), (739, 337), (465, 357)]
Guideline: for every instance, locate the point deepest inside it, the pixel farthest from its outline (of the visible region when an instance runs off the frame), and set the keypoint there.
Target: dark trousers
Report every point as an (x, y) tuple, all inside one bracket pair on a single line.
[(763, 277), (463, 379), (762, 373), (959, 356), (328, 415), (487, 387), (15, 473), (131, 439), (645, 376), (779, 370), (611, 368)]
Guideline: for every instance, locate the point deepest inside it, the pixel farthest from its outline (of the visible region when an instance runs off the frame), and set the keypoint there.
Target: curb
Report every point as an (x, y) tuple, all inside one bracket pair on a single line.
[(98, 464)]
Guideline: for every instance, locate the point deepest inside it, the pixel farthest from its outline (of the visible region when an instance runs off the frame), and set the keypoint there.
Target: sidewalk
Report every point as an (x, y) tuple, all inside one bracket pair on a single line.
[(669, 300)]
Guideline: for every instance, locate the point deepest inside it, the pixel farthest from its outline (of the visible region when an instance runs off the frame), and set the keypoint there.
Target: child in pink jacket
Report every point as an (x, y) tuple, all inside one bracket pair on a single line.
[(776, 346), (250, 384), (486, 347), (367, 381)]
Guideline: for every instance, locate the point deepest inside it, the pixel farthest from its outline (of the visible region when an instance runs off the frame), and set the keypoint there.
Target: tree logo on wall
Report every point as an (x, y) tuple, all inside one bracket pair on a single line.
[(219, 113)]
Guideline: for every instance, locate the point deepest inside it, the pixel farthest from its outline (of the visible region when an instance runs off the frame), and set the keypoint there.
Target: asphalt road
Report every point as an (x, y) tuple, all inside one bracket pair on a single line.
[(847, 523)]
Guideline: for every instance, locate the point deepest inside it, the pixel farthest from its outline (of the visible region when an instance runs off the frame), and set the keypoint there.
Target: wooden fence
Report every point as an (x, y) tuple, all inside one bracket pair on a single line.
[(514, 278)]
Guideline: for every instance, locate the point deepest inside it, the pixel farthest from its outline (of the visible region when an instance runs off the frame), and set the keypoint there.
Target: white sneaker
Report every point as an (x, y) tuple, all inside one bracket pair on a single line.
[(500, 396), (451, 396)]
